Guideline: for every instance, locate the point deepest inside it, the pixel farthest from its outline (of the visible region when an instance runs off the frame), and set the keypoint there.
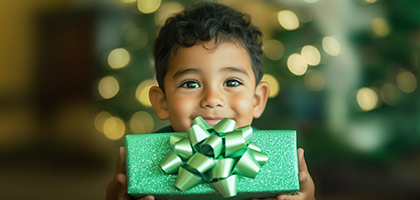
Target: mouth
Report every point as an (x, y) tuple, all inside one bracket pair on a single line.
[(213, 120)]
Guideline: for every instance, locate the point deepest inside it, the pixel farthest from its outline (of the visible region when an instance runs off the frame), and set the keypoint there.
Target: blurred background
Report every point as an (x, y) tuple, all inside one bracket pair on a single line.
[(75, 74)]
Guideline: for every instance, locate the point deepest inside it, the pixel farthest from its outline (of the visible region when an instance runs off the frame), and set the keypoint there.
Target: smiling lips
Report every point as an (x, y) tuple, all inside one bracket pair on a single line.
[(212, 120)]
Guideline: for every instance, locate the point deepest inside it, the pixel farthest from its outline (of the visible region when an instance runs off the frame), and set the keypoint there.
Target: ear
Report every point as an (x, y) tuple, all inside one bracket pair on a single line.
[(260, 98), (159, 103)]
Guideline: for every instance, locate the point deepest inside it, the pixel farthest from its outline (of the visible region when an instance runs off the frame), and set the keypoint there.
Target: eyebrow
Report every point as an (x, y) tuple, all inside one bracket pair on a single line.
[(235, 69), (185, 71)]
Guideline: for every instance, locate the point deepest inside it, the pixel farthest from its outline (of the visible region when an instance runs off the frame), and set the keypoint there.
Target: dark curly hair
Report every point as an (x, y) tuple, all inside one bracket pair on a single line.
[(204, 22)]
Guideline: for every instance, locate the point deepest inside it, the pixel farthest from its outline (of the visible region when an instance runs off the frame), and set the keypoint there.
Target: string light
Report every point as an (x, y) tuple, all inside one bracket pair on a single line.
[(380, 27), (296, 64), (114, 128), (166, 10), (288, 20), (141, 122), (311, 55), (367, 99), (273, 49), (274, 85), (331, 46), (100, 120), (118, 58), (148, 6), (108, 87), (406, 81), (142, 92)]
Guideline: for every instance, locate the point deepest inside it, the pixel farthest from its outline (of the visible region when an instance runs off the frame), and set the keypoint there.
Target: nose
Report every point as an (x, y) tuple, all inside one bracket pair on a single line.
[(212, 97)]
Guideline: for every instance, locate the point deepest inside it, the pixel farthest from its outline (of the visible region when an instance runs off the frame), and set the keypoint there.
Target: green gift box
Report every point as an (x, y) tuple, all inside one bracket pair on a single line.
[(145, 153)]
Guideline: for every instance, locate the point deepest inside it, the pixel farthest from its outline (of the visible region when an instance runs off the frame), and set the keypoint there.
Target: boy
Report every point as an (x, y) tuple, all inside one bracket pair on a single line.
[(208, 64)]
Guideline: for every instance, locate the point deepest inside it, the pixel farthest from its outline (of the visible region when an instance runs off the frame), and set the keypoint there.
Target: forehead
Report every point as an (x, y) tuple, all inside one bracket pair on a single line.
[(210, 54)]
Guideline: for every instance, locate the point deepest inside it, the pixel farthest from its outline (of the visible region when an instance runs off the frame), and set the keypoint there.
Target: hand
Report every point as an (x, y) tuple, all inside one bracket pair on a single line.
[(117, 187), (307, 187)]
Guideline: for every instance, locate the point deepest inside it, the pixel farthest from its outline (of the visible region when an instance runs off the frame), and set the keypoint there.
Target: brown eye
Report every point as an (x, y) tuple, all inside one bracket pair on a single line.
[(190, 84), (232, 83)]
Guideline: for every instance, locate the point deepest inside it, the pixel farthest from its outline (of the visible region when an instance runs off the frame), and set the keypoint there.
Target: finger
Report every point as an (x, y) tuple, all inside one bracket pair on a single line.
[(289, 197), (117, 188), (148, 197), (121, 166), (302, 162)]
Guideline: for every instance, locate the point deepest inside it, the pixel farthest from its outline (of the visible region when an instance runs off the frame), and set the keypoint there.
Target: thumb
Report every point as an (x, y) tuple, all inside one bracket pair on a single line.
[(148, 197), (121, 166)]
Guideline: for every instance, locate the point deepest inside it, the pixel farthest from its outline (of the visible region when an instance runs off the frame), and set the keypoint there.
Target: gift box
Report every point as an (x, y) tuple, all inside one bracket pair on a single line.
[(146, 152)]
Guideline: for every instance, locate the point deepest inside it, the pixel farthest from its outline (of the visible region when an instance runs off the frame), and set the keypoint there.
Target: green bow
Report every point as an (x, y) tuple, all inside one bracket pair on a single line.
[(214, 155)]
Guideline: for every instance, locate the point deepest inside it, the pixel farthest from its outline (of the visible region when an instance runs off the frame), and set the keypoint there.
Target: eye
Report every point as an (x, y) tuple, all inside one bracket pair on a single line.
[(232, 83), (190, 84)]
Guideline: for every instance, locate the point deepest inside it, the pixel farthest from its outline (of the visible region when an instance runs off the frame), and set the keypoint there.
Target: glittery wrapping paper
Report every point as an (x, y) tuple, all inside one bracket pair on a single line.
[(144, 153)]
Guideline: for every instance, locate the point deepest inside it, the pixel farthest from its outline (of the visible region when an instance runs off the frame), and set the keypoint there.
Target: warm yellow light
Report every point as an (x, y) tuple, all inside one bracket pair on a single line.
[(367, 99), (274, 85), (288, 20), (100, 120), (148, 6), (311, 55), (390, 94), (108, 87), (406, 81), (141, 122), (114, 128), (166, 10), (142, 92), (370, 1), (380, 27), (273, 49), (118, 58), (314, 80), (128, 1), (331, 45), (136, 38), (296, 64)]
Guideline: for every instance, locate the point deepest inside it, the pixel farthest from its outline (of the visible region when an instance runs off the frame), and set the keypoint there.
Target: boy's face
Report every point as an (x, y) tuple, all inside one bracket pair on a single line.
[(213, 84)]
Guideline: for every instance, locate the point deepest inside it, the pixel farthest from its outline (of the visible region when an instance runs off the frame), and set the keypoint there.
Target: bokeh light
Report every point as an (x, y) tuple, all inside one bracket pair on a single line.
[(288, 20), (370, 1), (367, 135), (296, 64), (406, 81), (148, 6), (142, 91), (311, 1), (118, 58), (274, 85), (331, 45), (314, 80), (141, 122), (100, 120), (367, 99), (390, 94), (108, 87), (166, 10), (114, 128), (128, 1), (273, 49), (136, 38), (380, 27), (311, 55)]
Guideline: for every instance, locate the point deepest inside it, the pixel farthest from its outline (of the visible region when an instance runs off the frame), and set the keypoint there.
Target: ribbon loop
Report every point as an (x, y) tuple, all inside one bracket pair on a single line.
[(226, 125), (214, 155), (212, 146), (247, 165), (171, 163), (183, 148), (197, 134)]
